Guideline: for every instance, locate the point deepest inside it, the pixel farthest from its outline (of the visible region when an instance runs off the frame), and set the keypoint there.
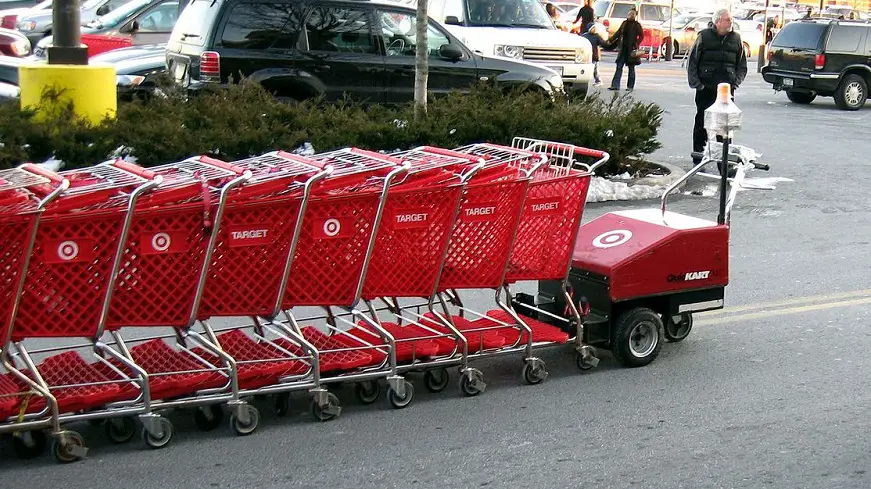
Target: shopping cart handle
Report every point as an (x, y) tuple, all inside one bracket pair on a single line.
[(43, 172), (376, 155), (134, 169), (449, 152), (595, 153), (207, 160)]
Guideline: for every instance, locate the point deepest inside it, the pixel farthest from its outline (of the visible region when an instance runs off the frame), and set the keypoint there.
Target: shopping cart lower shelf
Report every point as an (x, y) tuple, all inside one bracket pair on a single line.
[(70, 368), (478, 340), (541, 332), (156, 357), (331, 361)]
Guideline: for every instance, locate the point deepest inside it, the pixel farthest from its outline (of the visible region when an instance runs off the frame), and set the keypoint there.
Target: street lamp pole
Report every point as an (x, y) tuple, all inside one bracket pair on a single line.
[(66, 46), (670, 45)]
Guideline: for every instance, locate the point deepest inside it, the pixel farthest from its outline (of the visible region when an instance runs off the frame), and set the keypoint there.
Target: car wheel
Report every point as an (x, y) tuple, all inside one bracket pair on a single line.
[(747, 51), (803, 98), (851, 93)]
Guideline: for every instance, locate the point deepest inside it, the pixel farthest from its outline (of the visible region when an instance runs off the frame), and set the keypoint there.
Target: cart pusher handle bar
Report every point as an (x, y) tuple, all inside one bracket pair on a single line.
[(742, 168)]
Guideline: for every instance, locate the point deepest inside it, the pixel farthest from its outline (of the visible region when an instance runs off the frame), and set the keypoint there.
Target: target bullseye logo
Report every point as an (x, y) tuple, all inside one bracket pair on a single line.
[(68, 250), (332, 227), (613, 238), (161, 242)]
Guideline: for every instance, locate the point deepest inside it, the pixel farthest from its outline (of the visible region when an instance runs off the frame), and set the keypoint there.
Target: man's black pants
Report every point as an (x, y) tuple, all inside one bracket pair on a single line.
[(705, 97)]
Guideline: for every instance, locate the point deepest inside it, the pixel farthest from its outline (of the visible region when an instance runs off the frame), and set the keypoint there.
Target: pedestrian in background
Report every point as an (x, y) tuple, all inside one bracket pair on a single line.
[(717, 57), (586, 15), (597, 42), (627, 39)]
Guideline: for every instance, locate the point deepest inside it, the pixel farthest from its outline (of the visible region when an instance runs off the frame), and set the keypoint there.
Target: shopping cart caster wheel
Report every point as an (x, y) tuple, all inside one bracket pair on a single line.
[(677, 331), (29, 444), (637, 337), (401, 402), (282, 405), (471, 384), (70, 450), (158, 441), (534, 372), (245, 429), (120, 430), (207, 418), (328, 411), (368, 391), (436, 380)]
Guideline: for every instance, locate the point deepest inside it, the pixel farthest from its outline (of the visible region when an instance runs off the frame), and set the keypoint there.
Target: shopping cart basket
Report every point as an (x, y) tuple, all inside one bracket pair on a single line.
[(20, 210), (542, 249), (75, 256)]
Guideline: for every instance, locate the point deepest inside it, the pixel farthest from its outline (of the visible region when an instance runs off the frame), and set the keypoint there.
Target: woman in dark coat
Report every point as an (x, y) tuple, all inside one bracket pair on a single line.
[(627, 38)]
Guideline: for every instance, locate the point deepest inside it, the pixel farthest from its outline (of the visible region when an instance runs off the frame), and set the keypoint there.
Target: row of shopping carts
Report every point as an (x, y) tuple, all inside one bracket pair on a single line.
[(380, 244)]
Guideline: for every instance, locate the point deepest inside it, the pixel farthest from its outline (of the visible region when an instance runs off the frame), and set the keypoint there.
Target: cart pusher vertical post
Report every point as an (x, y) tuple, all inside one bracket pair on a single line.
[(410, 250), (249, 274), (73, 265), (329, 269), (545, 239), (480, 247), (160, 285), (20, 211)]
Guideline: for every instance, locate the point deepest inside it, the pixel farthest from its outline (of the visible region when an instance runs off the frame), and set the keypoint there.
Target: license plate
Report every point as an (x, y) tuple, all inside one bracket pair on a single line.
[(787, 82), (558, 69), (39, 52)]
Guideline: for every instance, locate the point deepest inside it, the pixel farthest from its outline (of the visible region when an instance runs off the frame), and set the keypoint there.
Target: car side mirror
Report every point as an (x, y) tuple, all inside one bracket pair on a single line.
[(129, 27), (451, 52), (103, 10), (452, 20)]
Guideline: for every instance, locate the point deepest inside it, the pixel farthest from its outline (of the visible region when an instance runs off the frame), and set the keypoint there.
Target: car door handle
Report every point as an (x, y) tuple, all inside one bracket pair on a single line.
[(322, 68)]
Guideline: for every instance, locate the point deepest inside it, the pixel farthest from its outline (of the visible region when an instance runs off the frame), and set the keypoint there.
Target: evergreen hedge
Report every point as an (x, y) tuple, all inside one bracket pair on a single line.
[(245, 120)]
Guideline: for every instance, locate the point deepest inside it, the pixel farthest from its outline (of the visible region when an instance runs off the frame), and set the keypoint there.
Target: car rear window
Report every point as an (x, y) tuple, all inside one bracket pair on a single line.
[(600, 8), (621, 10), (845, 38), (262, 26), (195, 21), (802, 35)]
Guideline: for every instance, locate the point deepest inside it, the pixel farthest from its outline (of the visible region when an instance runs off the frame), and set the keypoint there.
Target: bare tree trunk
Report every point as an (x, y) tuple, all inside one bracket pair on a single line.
[(421, 68)]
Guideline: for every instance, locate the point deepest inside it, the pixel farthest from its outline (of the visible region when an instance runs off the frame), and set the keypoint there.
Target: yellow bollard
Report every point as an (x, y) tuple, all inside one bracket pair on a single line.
[(90, 88)]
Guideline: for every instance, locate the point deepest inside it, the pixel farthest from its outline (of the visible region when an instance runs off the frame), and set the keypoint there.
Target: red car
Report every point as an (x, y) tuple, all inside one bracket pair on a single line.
[(13, 43)]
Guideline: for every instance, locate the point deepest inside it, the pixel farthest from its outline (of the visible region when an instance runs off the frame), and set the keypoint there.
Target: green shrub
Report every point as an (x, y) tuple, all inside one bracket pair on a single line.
[(245, 120)]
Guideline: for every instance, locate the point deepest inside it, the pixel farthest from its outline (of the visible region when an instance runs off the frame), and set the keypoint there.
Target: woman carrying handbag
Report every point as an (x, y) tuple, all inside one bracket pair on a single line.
[(627, 39)]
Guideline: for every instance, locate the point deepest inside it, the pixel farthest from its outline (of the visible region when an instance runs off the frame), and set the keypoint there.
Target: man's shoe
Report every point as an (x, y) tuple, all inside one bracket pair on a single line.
[(597, 84), (630, 89), (614, 88)]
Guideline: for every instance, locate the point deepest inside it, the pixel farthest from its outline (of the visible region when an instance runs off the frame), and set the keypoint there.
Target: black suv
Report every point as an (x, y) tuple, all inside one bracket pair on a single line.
[(301, 49), (822, 57)]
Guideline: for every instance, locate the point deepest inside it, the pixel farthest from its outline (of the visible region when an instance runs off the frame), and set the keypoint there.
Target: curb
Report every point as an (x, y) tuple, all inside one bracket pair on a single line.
[(673, 173)]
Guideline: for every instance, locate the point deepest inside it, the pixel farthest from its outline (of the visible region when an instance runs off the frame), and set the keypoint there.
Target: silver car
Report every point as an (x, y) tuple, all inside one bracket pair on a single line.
[(38, 24)]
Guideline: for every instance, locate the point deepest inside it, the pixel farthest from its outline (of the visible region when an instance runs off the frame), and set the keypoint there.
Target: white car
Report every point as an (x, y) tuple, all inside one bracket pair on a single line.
[(519, 30)]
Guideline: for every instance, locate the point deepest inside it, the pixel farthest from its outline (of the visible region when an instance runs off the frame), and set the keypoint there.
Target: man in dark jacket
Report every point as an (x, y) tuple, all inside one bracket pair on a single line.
[(586, 15), (717, 57), (627, 39)]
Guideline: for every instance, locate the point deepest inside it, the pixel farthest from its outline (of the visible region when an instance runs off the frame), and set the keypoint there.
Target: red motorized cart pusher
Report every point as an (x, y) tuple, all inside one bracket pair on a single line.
[(638, 275)]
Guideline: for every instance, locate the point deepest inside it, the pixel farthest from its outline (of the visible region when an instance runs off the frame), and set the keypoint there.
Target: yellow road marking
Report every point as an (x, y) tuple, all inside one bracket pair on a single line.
[(810, 305), (793, 301)]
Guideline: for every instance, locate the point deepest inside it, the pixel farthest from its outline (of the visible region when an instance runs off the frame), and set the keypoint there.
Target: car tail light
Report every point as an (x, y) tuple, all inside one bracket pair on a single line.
[(210, 66), (21, 48), (759, 27), (819, 61), (606, 23), (8, 21)]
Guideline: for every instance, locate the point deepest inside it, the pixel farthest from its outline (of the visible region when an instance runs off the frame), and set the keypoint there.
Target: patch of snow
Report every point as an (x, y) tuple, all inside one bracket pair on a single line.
[(52, 164), (306, 149), (603, 190), (763, 182)]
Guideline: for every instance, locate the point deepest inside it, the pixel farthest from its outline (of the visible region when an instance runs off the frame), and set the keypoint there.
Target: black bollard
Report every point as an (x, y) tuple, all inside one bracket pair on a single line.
[(66, 46)]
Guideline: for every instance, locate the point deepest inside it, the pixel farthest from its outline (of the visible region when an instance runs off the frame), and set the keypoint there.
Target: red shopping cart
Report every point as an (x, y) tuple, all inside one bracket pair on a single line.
[(20, 211), (407, 257), (172, 238), (75, 254), (329, 269), (545, 238)]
